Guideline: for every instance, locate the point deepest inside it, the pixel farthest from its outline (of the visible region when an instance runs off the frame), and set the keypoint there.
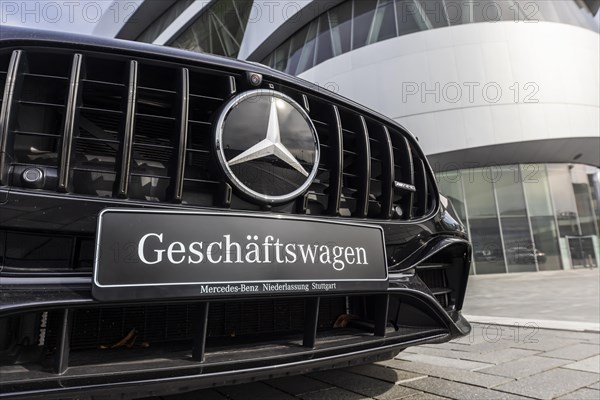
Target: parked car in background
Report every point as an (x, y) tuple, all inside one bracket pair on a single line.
[(525, 255)]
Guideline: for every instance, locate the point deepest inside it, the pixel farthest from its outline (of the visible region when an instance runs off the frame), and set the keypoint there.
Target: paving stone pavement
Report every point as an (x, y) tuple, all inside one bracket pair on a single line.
[(493, 362)]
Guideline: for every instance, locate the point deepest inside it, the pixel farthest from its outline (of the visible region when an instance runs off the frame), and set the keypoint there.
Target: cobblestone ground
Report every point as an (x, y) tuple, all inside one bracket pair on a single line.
[(493, 362)]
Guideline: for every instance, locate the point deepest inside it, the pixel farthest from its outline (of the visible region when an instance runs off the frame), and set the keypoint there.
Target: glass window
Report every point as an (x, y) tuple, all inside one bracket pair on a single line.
[(546, 243), (340, 20), (479, 193), (482, 11), (543, 224), (537, 191), (161, 23), (564, 11), (324, 43), (453, 11), (568, 12), (546, 11), (281, 57), (487, 246), (561, 186), (583, 200), (594, 180), (384, 23), (509, 191), (296, 49), (468, 11), (307, 54), (474, 11), (433, 12), (583, 254), (218, 30), (519, 251), (363, 20), (584, 209), (450, 185), (483, 222), (409, 17), (357, 23)]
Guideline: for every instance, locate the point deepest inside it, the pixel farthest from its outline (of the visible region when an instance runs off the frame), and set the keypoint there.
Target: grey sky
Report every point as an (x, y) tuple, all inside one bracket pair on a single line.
[(81, 16)]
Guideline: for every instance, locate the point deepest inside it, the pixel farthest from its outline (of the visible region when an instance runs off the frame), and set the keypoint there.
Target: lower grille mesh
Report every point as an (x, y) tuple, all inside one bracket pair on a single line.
[(95, 328), (434, 276)]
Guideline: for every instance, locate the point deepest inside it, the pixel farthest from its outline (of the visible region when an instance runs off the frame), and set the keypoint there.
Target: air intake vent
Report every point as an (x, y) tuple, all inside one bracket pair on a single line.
[(207, 92), (434, 276), (325, 192), (39, 111), (132, 128), (97, 328), (97, 142), (357, 164)]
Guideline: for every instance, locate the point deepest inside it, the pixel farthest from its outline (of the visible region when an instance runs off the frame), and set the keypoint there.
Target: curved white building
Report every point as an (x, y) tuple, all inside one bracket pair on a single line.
[(502, 94)]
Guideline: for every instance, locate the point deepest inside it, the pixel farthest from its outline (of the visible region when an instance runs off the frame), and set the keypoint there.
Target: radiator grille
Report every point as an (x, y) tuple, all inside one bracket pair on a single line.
[(123, 127), (96, 328)]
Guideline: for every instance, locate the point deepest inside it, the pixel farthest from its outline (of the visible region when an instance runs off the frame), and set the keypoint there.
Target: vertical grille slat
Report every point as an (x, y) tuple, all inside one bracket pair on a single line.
[(337, 165), (7, 112), (362, 207), (406, 175), (183, 134), (387, 196), (127, 143), (232, 86), (70, 123), (422, 188), (199, 332), (63, 350)]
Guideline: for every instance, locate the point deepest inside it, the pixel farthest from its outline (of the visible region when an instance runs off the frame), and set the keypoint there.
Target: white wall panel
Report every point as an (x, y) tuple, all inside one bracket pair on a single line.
[(560, 62)]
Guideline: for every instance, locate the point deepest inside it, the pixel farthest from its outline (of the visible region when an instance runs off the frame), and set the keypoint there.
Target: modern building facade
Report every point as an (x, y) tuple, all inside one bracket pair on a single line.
[(502, 94)]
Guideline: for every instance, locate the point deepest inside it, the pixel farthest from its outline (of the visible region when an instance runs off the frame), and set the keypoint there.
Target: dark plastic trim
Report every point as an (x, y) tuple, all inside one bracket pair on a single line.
[(389, 176), (70, 124), (362, 207), (183, 134), (8, 110), (337, 170), (128, 131)]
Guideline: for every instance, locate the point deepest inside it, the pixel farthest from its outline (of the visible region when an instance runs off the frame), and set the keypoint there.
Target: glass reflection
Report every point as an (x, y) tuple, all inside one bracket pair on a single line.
[(514, 213), (357, 23), (543, 224), (218, 30), (559, 177), (519, 251), (583, 199), (483, 222)]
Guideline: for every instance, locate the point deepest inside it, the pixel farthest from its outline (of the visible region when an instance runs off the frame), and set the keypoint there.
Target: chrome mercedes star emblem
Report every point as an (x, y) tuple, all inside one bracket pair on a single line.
[(270, 146), (267, 146)]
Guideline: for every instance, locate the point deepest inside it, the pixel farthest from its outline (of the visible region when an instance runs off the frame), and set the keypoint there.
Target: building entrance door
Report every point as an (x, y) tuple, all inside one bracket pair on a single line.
[(582, 252)]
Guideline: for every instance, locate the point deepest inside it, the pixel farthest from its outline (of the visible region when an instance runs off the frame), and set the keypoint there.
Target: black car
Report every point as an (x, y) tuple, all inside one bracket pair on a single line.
[(171, 221)]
